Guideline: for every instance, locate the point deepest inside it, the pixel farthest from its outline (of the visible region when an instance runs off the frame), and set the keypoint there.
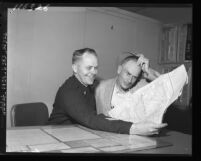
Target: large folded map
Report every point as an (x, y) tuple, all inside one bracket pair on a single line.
[(150, 102)]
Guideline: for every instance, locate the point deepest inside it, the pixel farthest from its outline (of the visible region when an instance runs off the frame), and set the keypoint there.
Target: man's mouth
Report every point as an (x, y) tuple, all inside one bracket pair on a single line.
[(91, 77)]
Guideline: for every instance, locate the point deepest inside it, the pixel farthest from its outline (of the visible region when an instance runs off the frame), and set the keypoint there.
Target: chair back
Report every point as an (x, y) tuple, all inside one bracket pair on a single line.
[(29, 114)]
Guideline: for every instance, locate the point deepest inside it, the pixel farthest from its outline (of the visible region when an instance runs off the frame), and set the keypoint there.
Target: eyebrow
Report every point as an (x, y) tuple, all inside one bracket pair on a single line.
[(131, 74), (90, 66)]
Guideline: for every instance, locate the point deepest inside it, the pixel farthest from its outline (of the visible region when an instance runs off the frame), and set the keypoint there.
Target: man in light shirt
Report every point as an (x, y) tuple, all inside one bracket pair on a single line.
[(132, 74)]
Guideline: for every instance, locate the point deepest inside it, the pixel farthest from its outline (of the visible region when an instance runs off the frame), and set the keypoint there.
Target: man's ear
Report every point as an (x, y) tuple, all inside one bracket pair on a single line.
[(74, 67), (119, 69)]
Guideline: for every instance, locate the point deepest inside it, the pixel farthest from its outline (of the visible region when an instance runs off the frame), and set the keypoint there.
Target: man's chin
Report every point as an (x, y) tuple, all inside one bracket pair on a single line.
[(91, 82), (125, 88)]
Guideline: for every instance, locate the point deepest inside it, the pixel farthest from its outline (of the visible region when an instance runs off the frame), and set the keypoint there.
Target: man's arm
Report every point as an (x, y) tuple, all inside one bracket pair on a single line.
[(148, 73), (151, 74), (79, 110)]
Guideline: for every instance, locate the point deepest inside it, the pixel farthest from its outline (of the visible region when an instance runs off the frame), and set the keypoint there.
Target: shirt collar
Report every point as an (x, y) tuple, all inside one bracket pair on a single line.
[(78, 84)]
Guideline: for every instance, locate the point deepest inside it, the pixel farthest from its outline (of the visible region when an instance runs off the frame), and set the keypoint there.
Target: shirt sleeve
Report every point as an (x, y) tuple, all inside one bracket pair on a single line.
[(79, 110)]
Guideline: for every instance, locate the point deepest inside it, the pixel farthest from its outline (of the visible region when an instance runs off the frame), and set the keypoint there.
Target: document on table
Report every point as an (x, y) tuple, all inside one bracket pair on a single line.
[(71, 133), (130, 142), (48, 147), (101, 142), (81, 150), (17, 148), (114, 148), (150, 102), (19, 137)]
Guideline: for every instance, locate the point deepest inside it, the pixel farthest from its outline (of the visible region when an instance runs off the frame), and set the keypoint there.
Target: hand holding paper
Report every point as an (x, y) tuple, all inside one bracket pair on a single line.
[(146, 128)]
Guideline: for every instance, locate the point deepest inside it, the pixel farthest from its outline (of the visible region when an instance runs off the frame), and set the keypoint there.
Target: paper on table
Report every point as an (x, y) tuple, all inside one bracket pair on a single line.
[(132, 139), (17, 148), (27, 137), (101, 142), (77, 144), (114, 148), (48, 147), (81, 150), (142, 142), (71, 133), (133, 142), (151, 101)]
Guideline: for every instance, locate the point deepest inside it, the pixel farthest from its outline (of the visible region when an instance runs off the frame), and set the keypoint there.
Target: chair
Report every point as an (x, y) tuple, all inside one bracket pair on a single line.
[(29, 114)]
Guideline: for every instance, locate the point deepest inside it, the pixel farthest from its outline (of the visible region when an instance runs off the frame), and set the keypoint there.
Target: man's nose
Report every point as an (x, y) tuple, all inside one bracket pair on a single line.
[(94, 71), (130, 79)]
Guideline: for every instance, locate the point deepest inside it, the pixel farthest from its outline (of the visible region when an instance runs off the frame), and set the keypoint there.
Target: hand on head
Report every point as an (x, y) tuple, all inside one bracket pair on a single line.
[(148, 73), (143, 62)]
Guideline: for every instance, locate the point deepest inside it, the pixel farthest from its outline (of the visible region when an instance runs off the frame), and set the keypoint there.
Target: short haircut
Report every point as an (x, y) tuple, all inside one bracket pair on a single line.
[(132, 57), (128, 58), (77, 54)]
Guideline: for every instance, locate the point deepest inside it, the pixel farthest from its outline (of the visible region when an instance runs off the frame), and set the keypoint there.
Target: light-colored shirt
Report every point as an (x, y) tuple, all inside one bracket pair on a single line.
[(120, 96)]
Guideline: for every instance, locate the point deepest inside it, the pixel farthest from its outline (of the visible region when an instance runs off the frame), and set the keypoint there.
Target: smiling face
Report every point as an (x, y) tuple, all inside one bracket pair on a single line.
[(85, 69), (128, 74)]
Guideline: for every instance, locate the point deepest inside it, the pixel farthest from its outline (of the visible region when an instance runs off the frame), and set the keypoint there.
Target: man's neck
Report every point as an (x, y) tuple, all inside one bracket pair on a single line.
[(120, 89)]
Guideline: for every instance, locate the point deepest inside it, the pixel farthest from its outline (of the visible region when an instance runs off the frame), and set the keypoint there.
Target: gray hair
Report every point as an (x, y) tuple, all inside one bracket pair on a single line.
[(77, 54), (128, 58)]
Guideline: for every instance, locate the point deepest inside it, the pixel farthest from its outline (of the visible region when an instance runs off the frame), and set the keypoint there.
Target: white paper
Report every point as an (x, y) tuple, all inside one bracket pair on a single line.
[(100, 142), (71, 133), (114, 148), (18, 137), (17, 148), (48, 147), (151, 101), (81, 150), (133, 140)]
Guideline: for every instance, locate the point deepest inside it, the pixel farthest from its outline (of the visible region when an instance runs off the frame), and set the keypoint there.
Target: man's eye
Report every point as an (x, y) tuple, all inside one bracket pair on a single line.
[(89, 68)]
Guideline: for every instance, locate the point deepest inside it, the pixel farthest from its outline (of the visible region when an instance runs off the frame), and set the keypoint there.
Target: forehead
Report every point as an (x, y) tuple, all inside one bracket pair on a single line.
[(132, 67), (89, 59)]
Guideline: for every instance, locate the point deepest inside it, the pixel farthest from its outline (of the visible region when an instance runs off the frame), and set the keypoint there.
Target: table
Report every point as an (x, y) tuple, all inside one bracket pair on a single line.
[(79, 139)]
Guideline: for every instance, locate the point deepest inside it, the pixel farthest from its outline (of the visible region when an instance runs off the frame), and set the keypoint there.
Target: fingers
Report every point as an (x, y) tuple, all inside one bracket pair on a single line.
[(140, 59), (146, 66), (143, 62), (161, 125), (148, 133), (146, 128), (138, 54)]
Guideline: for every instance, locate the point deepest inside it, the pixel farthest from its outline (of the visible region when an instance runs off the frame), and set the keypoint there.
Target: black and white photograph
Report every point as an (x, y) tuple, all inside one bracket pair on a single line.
[(96, 79)]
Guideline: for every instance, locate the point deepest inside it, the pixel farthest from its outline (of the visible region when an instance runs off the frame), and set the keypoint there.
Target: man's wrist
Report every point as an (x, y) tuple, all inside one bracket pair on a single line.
[(132, 129), (145, 74)]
